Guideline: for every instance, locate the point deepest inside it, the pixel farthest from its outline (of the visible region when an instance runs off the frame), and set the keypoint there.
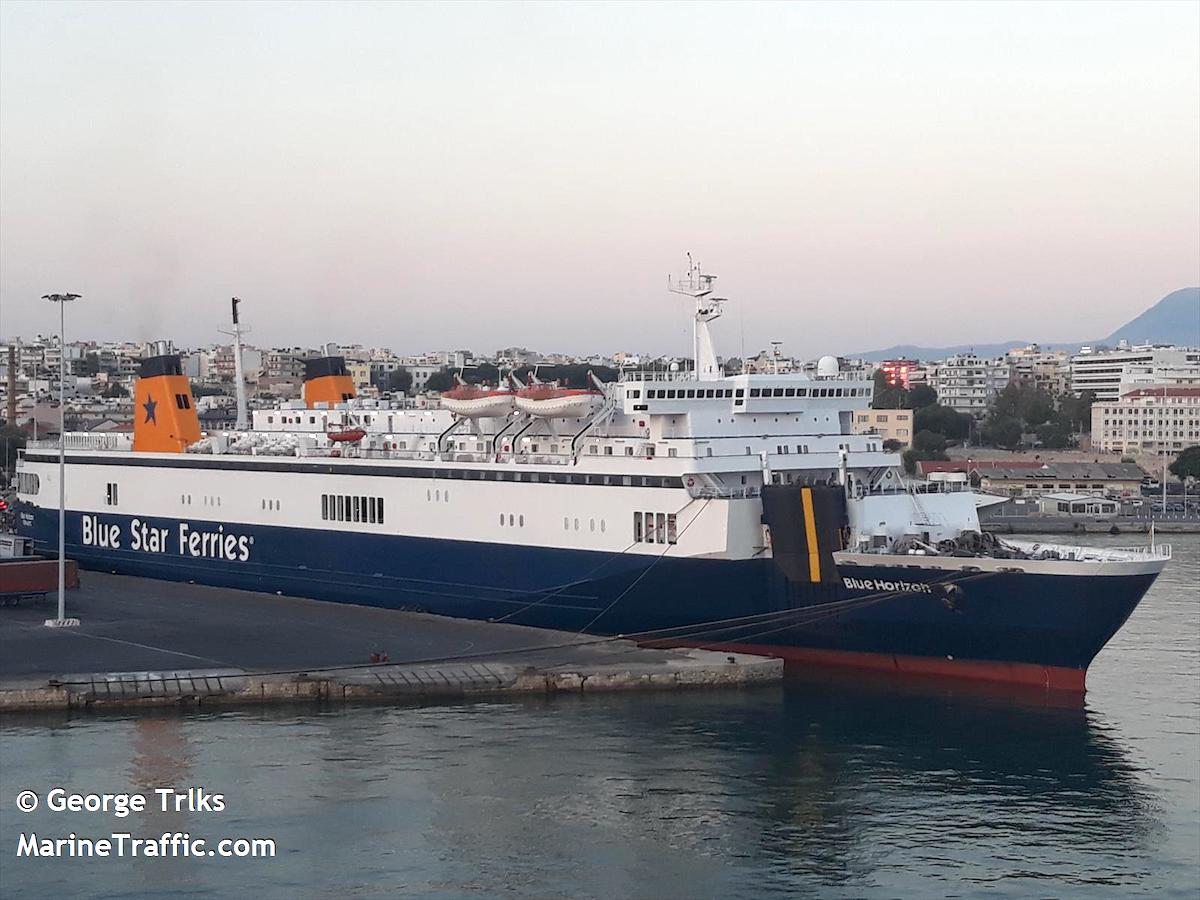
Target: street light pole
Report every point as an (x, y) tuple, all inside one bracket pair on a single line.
[(62, 300)]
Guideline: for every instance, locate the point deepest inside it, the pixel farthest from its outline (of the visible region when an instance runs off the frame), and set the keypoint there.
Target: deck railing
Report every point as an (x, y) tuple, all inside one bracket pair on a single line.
[(1098, 554), (86, 441)]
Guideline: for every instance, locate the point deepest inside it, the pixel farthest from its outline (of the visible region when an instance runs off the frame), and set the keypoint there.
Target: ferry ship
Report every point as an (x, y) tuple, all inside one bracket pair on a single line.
[(690, 508)]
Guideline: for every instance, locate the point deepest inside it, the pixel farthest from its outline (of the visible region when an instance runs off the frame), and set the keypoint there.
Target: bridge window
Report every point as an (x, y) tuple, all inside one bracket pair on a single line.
[(755, 392)]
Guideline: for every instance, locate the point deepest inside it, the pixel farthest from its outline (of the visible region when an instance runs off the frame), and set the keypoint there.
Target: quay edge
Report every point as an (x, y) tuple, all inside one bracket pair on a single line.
[(383, 683)]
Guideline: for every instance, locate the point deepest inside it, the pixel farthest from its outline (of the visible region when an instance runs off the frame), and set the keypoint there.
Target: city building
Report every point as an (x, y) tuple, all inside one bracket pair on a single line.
[(1149, 377), (360, 374), (1102, 371), (1099, 479), (1156, 420), (897, 371), (1046, 370), (889, 424), (1063, 504), (286, 363), (967, 383)]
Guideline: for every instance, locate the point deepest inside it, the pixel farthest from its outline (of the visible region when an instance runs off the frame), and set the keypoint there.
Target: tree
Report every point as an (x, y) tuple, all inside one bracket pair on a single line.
[(887, 395), (921, 396), (1077, 411), (1054, 435), (891, 445), (1026, 403), (114, 389), (1187, 463), (925, 445), (12, 439), (952, 425), (398, 381), (442, 380), (1002, 432)]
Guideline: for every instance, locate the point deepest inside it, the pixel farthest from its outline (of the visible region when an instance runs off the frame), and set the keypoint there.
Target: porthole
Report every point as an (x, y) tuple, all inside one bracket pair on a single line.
[(511, 519), (602, 526), (576, 524), (592, 524), (521, 521), (429, 495), (566, 524), (501, 519)]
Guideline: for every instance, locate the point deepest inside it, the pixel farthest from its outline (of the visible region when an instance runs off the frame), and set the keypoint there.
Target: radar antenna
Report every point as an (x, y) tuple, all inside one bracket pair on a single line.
[(699, 286)]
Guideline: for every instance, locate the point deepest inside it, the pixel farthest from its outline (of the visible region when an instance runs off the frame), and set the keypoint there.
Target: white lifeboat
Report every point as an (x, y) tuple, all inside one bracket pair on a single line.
[(550, 401), (475, 402)]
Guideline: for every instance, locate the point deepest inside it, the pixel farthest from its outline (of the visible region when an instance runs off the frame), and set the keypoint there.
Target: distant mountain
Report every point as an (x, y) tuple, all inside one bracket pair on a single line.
[(1175, 319)]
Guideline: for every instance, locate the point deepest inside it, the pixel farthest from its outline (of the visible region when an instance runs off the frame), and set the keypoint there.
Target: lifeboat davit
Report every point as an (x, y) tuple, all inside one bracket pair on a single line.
[(553, 402), (349, 436), (474, 402)]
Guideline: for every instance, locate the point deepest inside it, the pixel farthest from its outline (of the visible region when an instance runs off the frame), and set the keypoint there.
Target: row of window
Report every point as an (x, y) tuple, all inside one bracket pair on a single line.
[(654, 528), (558, 478), (110, 494), (805, 392), (591, 524), (1119, 432), (182, 401), (723, 393), (343, 508), (690, 394), (186, 499), (27, 483), (272, 505)]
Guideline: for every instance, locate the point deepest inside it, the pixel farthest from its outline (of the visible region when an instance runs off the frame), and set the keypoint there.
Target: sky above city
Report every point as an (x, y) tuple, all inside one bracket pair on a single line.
[(457, 175)]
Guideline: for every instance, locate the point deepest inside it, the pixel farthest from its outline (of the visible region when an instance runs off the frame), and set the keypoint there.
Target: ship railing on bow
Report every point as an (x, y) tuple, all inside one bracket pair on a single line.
[(1096, 554)]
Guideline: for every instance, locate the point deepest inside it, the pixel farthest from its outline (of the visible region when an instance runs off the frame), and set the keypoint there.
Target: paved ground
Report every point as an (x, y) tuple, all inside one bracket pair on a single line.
[(143, 625)]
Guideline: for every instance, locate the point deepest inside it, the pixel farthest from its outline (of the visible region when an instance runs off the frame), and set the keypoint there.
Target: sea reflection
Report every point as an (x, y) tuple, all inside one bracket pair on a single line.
[(840, 786)]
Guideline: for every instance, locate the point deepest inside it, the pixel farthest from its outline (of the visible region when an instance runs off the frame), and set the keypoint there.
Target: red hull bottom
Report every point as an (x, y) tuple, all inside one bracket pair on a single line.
[(1050, 678)]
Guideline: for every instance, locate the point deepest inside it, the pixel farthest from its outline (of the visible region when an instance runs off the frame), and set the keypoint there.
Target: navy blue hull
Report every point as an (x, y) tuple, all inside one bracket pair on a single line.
[(1043, 620)]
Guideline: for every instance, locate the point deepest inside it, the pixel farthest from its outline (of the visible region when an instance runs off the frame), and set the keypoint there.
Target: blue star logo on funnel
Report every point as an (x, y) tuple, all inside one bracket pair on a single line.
[(149, 406)]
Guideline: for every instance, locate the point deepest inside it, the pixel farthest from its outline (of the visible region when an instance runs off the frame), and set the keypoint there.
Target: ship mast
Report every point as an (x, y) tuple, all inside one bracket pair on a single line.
[(699, 286), (237, 331)]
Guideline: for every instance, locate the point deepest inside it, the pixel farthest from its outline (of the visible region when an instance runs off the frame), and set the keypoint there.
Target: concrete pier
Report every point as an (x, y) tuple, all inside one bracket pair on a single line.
[(153, 643)]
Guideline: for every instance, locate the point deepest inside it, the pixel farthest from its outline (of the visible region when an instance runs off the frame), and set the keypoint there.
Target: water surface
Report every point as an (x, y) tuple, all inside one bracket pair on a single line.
[(827, 788)]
